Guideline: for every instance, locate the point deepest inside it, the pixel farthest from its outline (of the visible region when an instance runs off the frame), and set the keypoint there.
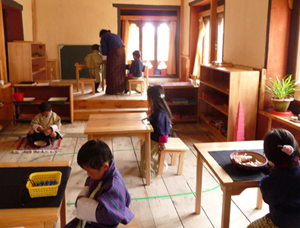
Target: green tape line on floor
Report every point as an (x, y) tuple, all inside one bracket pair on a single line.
[(167, 196)]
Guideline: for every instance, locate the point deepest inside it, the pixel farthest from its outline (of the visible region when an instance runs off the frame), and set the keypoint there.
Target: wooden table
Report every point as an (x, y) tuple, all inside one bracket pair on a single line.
[(34, 217), (121, 124), (78, 66), (228, 186)]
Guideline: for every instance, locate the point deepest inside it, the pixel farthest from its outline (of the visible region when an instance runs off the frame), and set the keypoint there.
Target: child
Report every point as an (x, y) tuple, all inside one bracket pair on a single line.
[(281, 188), (94, 63), (160, 121), (45, 125), (136, 71), (104, 200)]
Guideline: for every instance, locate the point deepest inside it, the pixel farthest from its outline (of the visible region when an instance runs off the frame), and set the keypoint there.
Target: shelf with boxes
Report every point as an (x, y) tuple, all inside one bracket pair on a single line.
[(28, 98), (182, 99), (221, 90)]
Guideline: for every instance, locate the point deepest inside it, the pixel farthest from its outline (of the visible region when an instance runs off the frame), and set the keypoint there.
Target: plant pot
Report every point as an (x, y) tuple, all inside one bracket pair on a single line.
[(281, 105)]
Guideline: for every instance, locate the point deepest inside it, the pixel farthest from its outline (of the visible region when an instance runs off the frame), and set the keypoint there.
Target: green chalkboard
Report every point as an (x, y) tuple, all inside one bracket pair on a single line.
[(69, 55)]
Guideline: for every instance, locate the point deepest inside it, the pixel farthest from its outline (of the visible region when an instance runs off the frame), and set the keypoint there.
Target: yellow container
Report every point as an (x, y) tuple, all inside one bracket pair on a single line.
[(43, 191)]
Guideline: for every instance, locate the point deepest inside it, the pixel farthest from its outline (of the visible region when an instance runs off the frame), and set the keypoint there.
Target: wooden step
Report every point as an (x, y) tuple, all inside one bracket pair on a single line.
[(83, 114)]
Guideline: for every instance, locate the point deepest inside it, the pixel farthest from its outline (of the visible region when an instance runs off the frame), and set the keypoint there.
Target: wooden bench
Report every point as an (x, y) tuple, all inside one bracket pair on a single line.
[(87, 81), (133, 224), (174, 146)]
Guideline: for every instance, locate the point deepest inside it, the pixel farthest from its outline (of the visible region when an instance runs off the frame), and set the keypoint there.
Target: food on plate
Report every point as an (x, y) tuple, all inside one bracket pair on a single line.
[(245, 159)]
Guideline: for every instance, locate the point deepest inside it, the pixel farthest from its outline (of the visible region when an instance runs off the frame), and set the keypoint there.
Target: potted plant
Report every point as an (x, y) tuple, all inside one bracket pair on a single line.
[(283, 92)]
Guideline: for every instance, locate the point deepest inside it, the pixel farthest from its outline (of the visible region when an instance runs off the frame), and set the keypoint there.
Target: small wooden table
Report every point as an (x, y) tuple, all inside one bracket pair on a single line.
[(34, 217), (121, 124), (79, 66), (228, 186)]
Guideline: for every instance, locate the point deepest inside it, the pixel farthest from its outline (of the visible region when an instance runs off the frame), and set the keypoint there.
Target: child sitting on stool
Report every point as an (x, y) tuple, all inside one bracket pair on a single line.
[(94, 63), (45, 125), (104, 200), (136, 71)]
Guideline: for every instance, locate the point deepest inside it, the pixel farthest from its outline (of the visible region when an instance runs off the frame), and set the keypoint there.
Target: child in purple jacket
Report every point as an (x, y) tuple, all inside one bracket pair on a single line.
[(104, 200)]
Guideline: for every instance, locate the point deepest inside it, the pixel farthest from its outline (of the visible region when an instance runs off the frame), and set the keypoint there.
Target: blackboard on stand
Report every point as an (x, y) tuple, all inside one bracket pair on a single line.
[(71, 54)]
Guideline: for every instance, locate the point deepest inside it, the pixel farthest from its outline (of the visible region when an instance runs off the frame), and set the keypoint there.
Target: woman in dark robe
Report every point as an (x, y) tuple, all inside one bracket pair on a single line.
[(113, 53)]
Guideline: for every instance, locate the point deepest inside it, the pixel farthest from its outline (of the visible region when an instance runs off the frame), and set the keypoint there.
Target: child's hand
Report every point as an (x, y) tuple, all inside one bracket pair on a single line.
[(40, 128), (48, 131), (79, 197), (162, 146)]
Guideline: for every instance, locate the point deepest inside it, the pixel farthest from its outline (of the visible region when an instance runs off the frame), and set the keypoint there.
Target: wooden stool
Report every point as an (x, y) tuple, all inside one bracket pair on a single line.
[(87, 81), (136, 82), (174, 146)]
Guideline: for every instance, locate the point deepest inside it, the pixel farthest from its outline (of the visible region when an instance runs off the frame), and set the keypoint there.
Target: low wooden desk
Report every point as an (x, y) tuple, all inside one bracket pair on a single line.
[(78, 68), (34, 217), (121, 124), (228, 186)]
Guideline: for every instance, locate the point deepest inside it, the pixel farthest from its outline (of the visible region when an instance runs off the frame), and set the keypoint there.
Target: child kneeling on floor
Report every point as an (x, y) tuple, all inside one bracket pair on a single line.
[(281, 188), (104, 200), (45, 125)]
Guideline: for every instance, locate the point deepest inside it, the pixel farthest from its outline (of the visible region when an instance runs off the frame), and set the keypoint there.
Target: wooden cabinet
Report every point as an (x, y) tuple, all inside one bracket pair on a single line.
[(27, 61), (27, 110), (221, 90), (6, 105), (185, 110)]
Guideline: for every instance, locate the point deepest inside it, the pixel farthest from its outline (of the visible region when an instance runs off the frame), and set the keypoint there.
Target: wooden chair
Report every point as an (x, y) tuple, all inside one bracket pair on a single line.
[(87, 81), (137, 82), (174, 146)]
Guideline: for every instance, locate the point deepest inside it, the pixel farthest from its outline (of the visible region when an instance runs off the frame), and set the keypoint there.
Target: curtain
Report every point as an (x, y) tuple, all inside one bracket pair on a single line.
[(125, 35), (199, 51), (171, 65)]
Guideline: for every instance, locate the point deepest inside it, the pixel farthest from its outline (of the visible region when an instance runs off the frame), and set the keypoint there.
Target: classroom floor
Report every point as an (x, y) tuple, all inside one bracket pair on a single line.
[(168, 202)]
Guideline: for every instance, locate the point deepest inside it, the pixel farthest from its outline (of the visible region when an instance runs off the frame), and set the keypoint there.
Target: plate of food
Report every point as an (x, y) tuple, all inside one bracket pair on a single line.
[(248, 160), (295, 119), (40, 143)]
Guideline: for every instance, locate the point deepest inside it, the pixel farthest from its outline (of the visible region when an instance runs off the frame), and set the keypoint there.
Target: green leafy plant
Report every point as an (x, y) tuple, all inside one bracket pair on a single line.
[(282, 88)]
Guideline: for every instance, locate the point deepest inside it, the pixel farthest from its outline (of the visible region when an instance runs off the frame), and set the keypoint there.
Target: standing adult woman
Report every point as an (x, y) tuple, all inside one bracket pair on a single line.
[(113, 53)]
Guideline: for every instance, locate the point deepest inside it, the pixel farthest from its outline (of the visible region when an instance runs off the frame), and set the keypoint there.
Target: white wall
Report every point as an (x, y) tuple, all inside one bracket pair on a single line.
[(245, 32), (27, 19)]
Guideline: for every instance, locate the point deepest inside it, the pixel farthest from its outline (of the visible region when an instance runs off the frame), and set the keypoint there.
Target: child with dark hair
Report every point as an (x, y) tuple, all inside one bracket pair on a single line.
[(136, 71), (94, 63), (45, 125), (160, 120), (104, 200), (281, 188)]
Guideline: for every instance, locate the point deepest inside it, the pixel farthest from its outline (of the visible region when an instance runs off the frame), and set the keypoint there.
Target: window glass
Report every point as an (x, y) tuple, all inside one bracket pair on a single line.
[(148, 42), (163, 42), (133, 40)]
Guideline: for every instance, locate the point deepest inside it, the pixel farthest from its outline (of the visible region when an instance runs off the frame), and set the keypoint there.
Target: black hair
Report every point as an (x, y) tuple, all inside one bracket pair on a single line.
[(137, 53), (45, 106), (93, 154), (95, 47), (156, 94), (273, 143), (103, 31)]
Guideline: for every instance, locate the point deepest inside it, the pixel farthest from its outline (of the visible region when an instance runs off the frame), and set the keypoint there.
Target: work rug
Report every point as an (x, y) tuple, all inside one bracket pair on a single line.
[(27, 147)]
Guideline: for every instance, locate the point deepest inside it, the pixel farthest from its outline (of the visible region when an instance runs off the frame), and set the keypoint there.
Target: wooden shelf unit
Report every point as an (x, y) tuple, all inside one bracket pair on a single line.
[(26, 111), (188, 112), (6, 108), (27, 61), (221, 89)]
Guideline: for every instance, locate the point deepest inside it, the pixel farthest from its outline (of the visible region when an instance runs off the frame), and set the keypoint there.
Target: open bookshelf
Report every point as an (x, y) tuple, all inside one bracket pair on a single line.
[(221, 90)]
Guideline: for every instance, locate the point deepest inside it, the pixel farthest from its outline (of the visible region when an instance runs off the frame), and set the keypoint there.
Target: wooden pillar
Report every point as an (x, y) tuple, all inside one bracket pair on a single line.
[(213, 29), (33, 8), (181, 41), (3, 70)]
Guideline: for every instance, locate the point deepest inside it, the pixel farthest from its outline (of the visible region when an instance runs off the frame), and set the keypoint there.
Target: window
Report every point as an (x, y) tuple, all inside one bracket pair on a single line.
[(152, 38)]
